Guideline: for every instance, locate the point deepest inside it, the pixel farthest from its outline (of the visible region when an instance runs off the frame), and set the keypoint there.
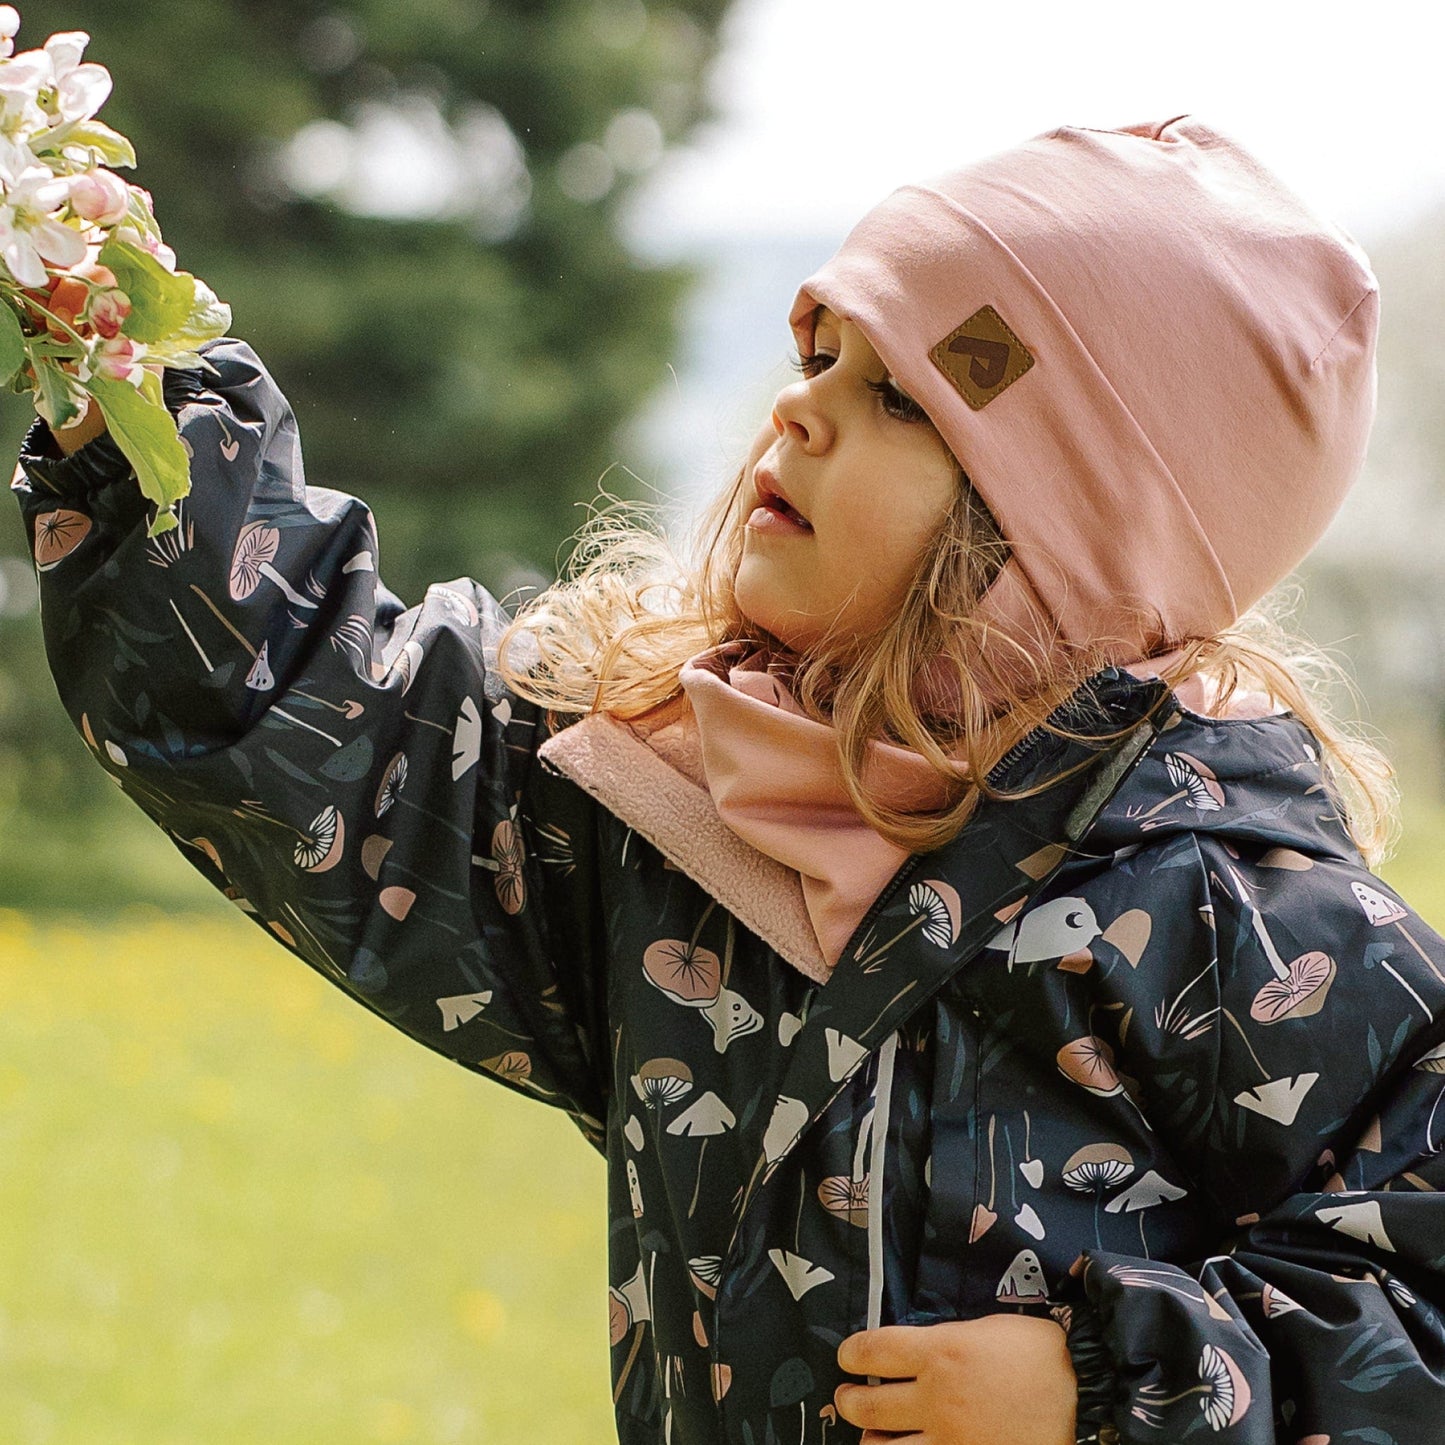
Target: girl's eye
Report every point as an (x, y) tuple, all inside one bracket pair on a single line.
[(898, 406), (812, 361)]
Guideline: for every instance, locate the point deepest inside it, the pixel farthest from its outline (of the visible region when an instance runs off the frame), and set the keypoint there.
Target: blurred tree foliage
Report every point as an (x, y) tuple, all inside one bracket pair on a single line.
[(462, 341)]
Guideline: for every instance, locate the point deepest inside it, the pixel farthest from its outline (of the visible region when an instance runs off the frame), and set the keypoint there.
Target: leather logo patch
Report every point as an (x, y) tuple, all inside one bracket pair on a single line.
[(982, 357)]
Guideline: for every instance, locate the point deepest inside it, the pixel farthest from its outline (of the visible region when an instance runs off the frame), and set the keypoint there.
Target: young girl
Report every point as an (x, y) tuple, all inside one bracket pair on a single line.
[(947, 912)]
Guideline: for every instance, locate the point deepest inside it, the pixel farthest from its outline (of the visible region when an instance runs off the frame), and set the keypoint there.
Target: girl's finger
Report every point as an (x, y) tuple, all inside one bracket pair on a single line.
[(893, 1351), (893, 1407)]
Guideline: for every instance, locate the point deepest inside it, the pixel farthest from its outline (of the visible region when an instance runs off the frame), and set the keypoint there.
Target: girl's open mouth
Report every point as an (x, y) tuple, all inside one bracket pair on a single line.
[(776, 515)]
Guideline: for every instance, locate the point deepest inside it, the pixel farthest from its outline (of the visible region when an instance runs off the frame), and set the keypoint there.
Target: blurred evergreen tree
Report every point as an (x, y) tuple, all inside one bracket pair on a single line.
[(463, 338)]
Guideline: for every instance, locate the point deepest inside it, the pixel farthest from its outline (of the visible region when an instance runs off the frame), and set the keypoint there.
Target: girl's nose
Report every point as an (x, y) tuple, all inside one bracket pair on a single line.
[(797, 413)]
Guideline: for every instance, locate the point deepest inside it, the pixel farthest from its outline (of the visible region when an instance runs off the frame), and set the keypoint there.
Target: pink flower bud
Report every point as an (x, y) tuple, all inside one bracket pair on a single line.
[(119, 359), (108, 309), (99, 196)]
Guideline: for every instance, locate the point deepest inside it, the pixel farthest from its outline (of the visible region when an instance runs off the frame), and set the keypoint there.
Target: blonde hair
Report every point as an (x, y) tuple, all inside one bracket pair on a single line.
[(611, 635)]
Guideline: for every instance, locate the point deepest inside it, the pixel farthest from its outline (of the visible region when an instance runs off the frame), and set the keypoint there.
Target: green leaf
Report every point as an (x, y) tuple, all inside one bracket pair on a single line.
[(56, 394), (112, 147), (161, 300), (12, 346), (146, 432)]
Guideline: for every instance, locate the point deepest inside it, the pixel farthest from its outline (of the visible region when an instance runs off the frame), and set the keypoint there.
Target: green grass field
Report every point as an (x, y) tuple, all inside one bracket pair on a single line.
[(237, 1209)]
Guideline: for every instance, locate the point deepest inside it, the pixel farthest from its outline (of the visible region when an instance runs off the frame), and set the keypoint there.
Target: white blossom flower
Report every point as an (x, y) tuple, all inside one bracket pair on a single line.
[(79, 90), (9, 24), (30, 233)]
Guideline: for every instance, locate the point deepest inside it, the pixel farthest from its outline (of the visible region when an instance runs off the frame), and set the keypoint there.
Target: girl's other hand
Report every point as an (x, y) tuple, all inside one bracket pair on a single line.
[(1001, 1380)]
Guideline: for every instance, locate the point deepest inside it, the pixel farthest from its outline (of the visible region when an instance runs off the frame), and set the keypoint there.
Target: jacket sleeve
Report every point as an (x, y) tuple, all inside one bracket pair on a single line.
[(1320, 1318), (350, 771)]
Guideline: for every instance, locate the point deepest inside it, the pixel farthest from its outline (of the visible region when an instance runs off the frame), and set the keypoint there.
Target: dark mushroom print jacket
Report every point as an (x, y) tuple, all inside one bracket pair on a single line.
[(1150, 1052)]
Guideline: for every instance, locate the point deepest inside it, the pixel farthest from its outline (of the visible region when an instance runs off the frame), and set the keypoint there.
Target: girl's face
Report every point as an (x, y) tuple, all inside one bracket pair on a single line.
[(871, 479)]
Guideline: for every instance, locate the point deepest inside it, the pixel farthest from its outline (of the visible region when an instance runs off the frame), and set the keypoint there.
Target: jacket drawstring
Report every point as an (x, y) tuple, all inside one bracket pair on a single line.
[(882, 1089)]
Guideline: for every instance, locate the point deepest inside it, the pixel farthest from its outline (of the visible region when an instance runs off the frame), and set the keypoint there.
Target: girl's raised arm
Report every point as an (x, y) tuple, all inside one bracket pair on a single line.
[(351, 772)]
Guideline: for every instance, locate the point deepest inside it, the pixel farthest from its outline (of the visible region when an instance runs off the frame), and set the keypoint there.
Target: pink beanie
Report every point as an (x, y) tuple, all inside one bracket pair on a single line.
[(1155, 363)]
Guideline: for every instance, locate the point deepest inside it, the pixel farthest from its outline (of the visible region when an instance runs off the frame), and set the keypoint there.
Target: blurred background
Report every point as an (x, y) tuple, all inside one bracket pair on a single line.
[(501, 254)]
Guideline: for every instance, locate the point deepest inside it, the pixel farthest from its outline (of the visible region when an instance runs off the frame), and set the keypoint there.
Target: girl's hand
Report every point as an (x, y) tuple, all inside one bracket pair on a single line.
[(1005, 1379)]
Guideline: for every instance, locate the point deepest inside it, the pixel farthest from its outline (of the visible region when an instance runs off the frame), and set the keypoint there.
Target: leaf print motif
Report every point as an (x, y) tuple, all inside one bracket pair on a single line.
[(938, 902)]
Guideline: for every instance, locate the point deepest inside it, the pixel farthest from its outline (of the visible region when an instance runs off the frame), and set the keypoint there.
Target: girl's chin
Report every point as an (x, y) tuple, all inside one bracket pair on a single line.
[(769, 613)]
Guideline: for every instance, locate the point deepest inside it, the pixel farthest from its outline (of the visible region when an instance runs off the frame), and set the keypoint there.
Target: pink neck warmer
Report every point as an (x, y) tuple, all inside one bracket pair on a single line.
[(774, 778)]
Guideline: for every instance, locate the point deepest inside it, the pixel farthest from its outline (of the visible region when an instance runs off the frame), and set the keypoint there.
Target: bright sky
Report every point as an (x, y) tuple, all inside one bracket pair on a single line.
[(826, 105)]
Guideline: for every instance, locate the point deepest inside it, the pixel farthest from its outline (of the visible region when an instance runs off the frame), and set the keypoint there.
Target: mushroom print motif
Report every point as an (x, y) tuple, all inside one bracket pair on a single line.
[(662, 1081), (388, 792), (256, 548), (1298, 989), (933, 906), (939, 903), (1381, 911), (1149, 1189), (628, 1308), (1032, 1169), (506, 860), (1089, 1062), (845, 1196), (706, 1117), (1224, 1393), (1196, 785), (1095, 1168), (694, 977), (983, 1214), (1025, 1215), (1277, 1099), (320, 849), (57, 535), (1432, 1063), (260, 678), (1022, 1283)]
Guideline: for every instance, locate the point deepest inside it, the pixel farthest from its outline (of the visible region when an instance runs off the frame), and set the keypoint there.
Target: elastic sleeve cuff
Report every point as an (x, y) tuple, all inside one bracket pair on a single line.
[(1096, 1376), (84, 474)]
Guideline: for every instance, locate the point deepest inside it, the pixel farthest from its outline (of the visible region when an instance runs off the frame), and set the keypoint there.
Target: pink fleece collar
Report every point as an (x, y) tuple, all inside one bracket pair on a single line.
[(774, 778)]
